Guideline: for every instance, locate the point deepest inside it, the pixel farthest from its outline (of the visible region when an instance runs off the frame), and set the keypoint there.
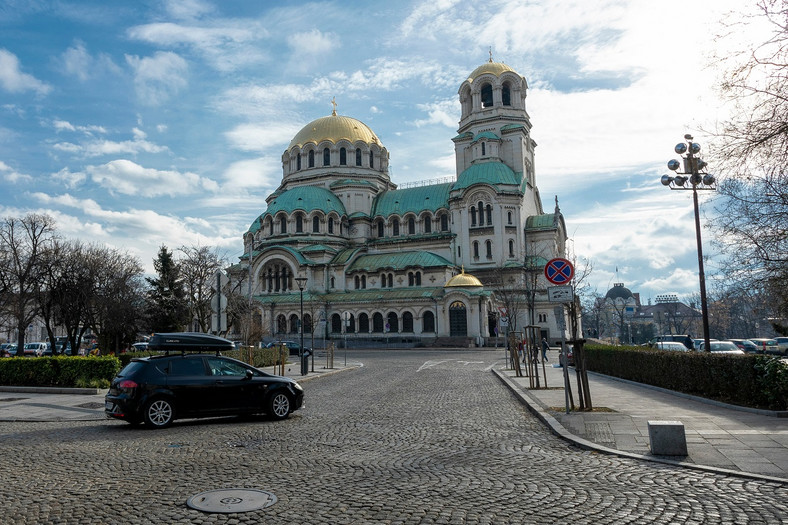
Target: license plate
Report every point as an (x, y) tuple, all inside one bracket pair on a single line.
[(109, 406)]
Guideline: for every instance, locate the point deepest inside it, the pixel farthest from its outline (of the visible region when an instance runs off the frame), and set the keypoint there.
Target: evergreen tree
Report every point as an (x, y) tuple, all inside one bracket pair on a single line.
[(167, 309)]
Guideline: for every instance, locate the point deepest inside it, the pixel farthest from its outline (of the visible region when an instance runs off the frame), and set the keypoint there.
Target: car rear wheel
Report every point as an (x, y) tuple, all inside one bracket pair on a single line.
[(278, 405), (159, 413)]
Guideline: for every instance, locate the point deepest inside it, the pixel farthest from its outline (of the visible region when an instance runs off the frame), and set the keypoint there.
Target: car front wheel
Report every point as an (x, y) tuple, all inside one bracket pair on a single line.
[(279, 405), (159, 413)]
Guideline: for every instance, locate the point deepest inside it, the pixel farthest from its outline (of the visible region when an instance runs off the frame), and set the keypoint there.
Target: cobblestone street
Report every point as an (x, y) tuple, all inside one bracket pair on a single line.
[(409, 437)]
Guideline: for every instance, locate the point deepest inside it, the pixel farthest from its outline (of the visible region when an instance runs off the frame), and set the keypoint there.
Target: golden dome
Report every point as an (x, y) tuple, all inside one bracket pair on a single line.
[(334, 128), (495, 68), (465, 280)]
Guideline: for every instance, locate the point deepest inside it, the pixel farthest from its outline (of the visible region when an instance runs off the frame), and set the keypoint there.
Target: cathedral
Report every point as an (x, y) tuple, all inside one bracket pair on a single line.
[(420, 263)]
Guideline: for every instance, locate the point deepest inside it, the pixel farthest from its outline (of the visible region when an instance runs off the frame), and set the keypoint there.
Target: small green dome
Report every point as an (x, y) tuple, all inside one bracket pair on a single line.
[(493, 173), (306, 199)]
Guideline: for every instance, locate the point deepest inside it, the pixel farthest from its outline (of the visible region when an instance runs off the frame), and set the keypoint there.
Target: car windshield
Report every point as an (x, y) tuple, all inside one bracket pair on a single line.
[(723, 346)]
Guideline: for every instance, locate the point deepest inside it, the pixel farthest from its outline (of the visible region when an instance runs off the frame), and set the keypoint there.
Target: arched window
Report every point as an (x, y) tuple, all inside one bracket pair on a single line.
[(484, 149), (391, 280), (377, 322), (488, 246), (407, 322), (298, 162), (315, 224), (294, 324), (283, 224), (326, 156), (411, 279), (459, 252), (475, 249), (481, 213), (336, 324), (311, 158), (342, 156), (358, 156), (357, 281), (392, 323), (363, 281), (444, 223), (332, 282), (330, 225), (427, 224), (307, 324), (418, 278), (299, 223), (506, 95), (271, 228), (381, 231), (489, 215), (363, 323), (411, 226), (473, 215), (395, 228), (281, 324), (511, 248), (350, 325), (487, 96), (509, 217), (383, 280), (371, 159), (428, 322)]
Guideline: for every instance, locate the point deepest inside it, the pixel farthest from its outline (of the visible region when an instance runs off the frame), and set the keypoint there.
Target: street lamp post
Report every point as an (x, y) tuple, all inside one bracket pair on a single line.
[(699, 180), (301, 281)]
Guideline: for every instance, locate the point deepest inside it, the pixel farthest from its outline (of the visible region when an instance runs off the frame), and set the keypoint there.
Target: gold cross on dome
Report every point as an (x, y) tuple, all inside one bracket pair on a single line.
[(334, 103)]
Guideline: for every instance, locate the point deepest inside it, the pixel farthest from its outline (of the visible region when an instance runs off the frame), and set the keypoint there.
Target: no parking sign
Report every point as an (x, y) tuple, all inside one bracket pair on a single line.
[(559, 271)]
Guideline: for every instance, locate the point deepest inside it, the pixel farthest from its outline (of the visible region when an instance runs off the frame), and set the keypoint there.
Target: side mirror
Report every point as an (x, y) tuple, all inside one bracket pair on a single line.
[(249, 374)]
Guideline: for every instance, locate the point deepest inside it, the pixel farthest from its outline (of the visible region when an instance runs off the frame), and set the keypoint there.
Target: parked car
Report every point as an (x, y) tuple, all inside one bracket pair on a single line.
[(139, 347), (292, 346), (683, 339), (766, 345), (179, 384), (35, 349), (721, 347), (697, 342), (782, 345), (745, 344), (671, 345), (7, 349)]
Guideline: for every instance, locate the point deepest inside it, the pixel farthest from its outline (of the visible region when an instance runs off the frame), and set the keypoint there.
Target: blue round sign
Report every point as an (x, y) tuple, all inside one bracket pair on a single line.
[(559, 271)]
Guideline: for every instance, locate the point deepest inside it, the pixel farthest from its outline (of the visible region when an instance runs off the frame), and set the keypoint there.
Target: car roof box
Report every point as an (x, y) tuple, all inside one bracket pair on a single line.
[(189, 342)]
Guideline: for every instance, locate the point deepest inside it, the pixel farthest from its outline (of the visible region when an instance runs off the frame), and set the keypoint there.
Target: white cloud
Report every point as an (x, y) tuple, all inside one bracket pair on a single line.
[(253, 174), (443, 112), (188, 9), (129, 178), (262, 138), (158, 78), (13, 80), (13, 176), (97, 148), (68, 179)]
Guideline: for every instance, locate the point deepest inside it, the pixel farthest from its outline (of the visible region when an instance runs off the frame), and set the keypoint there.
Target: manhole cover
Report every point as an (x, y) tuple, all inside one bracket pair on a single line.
[(231, 500)]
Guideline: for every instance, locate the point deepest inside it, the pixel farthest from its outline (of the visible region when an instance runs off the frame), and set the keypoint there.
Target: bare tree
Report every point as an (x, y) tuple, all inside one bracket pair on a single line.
[(198, 267), (752, 155), (24, 241)]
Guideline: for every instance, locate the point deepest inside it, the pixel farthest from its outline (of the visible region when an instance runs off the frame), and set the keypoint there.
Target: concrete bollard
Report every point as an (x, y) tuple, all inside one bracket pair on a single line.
[(667, 438)]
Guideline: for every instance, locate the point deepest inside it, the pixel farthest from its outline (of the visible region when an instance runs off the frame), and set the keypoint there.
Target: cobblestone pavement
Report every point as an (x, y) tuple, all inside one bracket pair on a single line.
[(408, 438)]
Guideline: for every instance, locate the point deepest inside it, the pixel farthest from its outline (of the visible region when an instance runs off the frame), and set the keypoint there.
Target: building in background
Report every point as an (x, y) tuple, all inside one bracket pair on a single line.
[(419, 262)]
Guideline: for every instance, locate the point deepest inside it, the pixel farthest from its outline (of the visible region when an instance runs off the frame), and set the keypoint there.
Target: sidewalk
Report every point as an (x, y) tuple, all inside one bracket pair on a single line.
[(720, 438), (87, 404)]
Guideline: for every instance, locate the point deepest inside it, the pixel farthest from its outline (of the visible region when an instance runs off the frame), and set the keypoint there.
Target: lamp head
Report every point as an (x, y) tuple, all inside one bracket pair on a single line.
[(673, 165), (709, 179), (680, 148), (666, 180), (694, 147), (679, 180)]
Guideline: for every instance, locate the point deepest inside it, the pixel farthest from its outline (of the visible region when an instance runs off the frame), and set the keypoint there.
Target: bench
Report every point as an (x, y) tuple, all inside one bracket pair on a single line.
[(667, 438)]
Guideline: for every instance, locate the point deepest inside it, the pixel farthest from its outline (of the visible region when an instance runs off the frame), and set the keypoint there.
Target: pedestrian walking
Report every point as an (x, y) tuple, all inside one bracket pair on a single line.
[(545, 348)]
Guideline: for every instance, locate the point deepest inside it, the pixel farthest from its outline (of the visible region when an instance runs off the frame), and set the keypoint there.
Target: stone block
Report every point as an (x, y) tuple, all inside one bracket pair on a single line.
[(667, 438)]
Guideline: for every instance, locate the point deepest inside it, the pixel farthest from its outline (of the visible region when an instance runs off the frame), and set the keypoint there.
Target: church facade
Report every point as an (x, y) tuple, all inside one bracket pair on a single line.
[(421, 262)]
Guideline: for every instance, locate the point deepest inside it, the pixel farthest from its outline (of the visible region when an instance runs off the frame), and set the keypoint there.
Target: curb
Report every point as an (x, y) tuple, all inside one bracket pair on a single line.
[(50, 390), (558, 429)]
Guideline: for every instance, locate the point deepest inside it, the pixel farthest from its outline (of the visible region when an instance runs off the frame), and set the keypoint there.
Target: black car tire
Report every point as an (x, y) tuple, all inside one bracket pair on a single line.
[(279, 405), (159, 413)]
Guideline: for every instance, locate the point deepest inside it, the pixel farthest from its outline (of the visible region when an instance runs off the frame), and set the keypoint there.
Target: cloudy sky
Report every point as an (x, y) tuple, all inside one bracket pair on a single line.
[(138, 124)]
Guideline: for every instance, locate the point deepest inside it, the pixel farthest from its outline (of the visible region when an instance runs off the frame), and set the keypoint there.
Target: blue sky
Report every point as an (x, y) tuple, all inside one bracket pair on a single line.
[(138, 124)]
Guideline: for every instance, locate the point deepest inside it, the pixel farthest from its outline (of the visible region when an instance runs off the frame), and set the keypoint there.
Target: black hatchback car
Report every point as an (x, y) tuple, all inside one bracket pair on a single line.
[(180, 384)]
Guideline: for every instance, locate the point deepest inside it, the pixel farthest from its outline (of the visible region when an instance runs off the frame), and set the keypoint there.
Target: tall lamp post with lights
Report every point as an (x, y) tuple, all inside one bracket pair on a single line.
[(698, 180), (301, 281)]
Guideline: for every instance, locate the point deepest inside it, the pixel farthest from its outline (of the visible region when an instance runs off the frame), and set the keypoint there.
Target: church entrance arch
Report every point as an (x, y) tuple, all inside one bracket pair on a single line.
[(458, 319)]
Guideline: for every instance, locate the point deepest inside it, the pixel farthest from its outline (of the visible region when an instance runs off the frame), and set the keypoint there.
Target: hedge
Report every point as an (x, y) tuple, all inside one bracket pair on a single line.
[(260, 357), (752, 380), (63, 371)]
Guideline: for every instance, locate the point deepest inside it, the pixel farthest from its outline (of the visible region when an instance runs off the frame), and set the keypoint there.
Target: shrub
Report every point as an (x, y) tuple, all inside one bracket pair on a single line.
[(750, 380), (65, 371)]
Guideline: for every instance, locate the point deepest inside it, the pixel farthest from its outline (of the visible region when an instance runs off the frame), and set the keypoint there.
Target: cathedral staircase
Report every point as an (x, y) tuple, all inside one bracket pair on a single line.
[(454, 342)]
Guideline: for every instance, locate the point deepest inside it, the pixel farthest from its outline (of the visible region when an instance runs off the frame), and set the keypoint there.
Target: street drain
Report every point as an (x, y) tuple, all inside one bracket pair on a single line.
[(231, 500)]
